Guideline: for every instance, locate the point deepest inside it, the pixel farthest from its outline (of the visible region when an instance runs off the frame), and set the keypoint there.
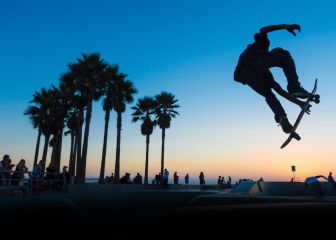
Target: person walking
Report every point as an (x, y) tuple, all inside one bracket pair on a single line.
[(201, 179)]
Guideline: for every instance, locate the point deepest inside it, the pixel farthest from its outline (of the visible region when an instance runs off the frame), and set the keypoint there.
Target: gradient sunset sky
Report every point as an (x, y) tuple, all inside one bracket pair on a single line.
[(189, 48)]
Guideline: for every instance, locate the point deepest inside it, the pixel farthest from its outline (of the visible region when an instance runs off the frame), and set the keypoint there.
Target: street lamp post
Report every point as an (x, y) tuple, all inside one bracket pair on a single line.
[(293, 170)]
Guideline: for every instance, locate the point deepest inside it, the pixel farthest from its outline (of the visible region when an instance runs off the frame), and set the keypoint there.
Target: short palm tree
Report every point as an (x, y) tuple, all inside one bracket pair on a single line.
[(71, 123), (165, 111), (143, 111), (35, 114), (124, 94), (42, 114)]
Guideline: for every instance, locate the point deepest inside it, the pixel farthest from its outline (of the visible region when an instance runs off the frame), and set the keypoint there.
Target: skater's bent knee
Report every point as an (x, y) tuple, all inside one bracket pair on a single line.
[(282, 51)]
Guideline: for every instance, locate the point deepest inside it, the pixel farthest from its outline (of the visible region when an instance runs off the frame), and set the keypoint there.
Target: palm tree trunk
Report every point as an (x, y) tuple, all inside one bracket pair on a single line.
[(45, 151), (146, 165), (59, 151), (53, 153), (102, 167), (162, 150), (37, 147), (79, 144), (72, 164), (85, 141), (117, 162), (71, 149)]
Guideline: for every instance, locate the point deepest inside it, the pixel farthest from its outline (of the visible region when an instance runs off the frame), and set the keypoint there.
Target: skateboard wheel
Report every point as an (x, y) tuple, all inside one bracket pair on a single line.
[(317, 98)]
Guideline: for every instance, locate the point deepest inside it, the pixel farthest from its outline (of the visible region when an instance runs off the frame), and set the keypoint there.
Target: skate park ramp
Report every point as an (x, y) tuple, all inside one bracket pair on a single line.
[(281, 189), (267, 193)]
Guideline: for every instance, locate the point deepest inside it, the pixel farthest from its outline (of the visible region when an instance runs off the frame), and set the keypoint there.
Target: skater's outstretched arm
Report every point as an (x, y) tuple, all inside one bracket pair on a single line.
[(321, 176), (289, 27)]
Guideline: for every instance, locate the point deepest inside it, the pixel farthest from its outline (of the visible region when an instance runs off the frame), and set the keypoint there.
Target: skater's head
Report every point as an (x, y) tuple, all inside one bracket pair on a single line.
[(261, 41)]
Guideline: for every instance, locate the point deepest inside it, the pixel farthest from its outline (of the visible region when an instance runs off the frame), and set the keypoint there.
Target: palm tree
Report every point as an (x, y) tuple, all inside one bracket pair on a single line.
[(108, 104), (71, 123), (35, 115), (44, 117), (165, 111), (77, 103), (59, 111), (124, 94), (87, 78), (143, 111)]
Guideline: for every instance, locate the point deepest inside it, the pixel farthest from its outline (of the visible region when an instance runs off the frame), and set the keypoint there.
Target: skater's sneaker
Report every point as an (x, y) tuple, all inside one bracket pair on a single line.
[(299, 92), (285, 125), (287, 128), (296, 136)]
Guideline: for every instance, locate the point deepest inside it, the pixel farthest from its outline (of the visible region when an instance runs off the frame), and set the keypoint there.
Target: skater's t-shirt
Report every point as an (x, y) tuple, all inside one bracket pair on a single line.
[(310, 180)]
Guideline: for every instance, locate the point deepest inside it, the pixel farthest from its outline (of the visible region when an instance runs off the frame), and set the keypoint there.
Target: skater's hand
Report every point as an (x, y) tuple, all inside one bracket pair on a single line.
[(292, 27), (308, 109), (302, 106)]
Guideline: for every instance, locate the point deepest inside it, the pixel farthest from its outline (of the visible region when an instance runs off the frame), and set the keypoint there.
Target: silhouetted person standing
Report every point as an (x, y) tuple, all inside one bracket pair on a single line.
[(201, 179), (176, 178), (50, 176), (331, 180), (186, 179), (3, 164), (253, 69), (219, 180), (165, 178), (66, 178)]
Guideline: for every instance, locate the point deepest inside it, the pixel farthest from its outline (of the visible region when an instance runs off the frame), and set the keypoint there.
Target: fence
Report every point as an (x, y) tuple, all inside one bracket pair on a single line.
[(27, 183)]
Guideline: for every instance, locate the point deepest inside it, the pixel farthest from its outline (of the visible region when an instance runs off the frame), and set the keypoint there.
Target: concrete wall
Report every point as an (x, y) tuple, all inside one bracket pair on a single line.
[(281, 189), (137, 187)]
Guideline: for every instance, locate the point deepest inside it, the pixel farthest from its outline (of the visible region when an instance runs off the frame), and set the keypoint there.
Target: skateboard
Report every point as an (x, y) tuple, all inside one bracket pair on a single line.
[(305, 109)]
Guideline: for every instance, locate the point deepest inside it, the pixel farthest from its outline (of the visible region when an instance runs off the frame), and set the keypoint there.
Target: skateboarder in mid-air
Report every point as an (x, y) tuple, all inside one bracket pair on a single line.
[(253, 69)]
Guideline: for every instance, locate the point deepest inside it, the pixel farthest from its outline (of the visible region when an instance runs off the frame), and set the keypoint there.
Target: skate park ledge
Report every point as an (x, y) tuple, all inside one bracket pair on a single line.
[(282, 189)]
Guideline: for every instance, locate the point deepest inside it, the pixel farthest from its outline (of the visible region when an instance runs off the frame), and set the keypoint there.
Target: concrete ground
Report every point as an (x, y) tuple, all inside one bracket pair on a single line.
[(130, 212)]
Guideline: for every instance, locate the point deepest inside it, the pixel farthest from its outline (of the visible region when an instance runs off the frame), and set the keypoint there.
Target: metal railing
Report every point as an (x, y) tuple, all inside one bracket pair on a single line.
[(29, 183)]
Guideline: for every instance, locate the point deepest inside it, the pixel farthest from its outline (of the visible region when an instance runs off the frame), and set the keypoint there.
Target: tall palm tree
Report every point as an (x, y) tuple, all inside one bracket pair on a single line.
[(165, 111), (108, 104), (87, 79), (143, 111), (77, 104), (124, 94)]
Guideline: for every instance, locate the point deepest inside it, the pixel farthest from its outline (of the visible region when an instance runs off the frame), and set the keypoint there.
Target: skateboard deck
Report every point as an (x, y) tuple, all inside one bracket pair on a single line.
[(314, 98)]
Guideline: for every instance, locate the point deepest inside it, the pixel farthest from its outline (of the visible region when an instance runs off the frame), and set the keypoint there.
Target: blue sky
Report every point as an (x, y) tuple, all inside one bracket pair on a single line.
[(186, 47)]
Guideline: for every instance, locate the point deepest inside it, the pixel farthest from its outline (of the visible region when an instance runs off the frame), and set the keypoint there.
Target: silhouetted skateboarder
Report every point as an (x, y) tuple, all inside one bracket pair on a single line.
[(253, 69), (314, 184)]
